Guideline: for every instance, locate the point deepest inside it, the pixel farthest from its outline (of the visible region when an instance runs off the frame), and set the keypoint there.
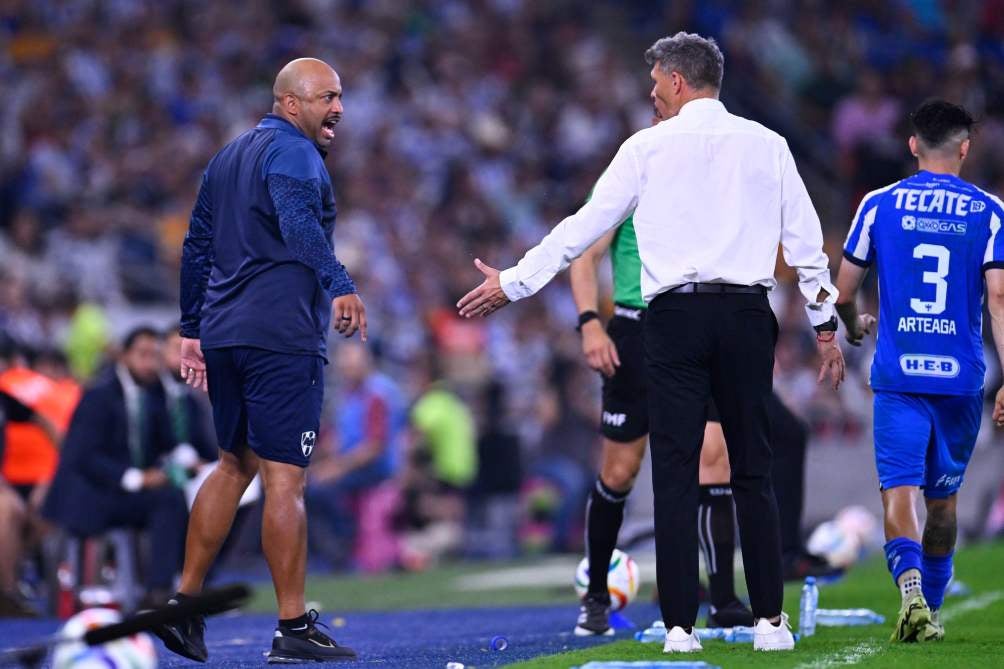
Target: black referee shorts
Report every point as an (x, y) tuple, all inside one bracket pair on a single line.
[(625, 395)]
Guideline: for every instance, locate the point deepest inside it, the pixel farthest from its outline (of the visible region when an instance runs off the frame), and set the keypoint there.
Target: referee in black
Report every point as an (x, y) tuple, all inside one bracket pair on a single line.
[(712, 195)]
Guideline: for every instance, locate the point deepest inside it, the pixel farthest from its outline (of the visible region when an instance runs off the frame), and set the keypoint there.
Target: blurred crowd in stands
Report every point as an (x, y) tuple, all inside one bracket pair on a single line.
[(470, 128)]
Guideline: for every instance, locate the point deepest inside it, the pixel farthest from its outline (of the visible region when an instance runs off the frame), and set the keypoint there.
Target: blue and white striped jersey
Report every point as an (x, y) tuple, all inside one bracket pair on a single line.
[(931, 236)]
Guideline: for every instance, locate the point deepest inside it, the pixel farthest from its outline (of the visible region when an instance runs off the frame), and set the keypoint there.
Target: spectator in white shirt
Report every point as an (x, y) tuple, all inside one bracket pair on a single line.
[(712, 196)]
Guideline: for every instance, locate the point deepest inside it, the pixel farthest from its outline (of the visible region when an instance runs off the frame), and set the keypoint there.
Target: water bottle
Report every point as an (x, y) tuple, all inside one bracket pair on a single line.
[(848, 617), (655, 633), (708, 633), (739, 634), (807, 608)]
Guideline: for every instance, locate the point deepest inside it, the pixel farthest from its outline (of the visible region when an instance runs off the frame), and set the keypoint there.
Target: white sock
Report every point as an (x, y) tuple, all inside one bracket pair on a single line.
[(909, 583)]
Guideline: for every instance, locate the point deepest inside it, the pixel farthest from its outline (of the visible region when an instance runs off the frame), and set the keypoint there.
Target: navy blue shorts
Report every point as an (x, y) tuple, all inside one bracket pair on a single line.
[(266, 400), (925, 440)]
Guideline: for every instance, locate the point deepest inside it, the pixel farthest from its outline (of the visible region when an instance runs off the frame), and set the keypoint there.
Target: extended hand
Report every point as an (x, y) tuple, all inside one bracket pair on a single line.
[(193, 363), (833, 359), (348, 315), (999, 408), (864, 325), (486, 298), (599, 349)]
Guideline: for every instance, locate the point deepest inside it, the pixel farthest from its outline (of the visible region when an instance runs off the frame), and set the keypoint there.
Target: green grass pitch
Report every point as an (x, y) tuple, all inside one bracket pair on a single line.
[(974, 631)]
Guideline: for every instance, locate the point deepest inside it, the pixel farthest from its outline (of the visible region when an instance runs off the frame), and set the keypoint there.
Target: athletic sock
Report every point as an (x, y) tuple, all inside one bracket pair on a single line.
[(604, 514), (296, 626), (937, 573), (903, 557), (716, 532)]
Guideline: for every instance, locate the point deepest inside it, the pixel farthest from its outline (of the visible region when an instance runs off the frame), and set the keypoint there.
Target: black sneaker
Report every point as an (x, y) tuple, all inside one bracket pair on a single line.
[(733, 614), (307, 645), (804, 564), (186, 638), (594, 616)]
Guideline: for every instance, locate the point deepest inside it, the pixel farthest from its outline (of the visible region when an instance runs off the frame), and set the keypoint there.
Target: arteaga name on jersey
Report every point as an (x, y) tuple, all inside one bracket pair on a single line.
[(936, 201), (926, 325)]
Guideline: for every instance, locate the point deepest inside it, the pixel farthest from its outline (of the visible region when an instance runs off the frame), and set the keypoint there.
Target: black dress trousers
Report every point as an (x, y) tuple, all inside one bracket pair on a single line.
[(719, 345)]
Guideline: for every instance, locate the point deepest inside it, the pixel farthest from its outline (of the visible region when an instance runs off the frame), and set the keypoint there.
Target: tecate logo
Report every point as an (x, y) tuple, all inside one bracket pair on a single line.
[(940, 366)]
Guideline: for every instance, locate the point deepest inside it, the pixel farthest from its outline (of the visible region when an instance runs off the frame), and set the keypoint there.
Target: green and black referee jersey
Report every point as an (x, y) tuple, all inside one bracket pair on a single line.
[(625, 394)]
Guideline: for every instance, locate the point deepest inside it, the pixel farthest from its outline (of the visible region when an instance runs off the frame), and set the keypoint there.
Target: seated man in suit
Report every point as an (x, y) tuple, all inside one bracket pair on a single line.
[(109, 476)]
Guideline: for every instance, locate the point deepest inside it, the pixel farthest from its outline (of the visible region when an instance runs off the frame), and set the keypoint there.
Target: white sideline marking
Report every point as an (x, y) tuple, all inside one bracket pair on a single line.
[(972, 604), (843, 657)]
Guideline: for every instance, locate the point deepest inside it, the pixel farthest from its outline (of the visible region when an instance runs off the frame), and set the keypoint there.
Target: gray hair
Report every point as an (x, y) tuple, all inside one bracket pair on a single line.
[(698, 59)]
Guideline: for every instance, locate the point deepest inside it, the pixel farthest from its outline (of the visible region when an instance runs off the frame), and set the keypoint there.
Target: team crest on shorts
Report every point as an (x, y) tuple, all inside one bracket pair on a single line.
[(307, 440)]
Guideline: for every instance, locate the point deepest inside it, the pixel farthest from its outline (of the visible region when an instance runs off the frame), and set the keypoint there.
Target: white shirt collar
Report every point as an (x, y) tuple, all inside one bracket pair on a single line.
[(701, 106)]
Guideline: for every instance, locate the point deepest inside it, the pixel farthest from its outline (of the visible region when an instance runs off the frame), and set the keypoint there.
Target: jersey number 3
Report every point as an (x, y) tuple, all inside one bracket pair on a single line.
[(937, 277)]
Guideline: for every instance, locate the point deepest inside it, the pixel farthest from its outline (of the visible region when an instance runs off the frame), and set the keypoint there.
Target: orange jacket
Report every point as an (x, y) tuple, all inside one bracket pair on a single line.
[(31, 457)]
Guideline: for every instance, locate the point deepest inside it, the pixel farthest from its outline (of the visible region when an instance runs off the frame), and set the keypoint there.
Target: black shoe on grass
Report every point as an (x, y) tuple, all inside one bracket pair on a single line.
[(733, 614), (307, 645), (186, 638), (594, 616)]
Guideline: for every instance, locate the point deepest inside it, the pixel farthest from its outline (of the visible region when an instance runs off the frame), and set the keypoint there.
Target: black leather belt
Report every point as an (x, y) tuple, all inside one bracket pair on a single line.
[(718, 288)]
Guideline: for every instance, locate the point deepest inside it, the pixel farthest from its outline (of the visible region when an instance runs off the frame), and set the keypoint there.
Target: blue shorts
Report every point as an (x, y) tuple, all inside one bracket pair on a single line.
[(925, 440), (266, 400)]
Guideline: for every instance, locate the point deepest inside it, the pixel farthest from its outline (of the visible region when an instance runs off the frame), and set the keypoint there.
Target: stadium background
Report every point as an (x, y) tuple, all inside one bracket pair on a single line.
[(469, 128)]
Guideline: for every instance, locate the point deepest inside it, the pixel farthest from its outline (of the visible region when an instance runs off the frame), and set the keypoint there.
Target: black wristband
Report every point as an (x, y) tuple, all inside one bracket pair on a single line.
[(585, 317), (828, 326)]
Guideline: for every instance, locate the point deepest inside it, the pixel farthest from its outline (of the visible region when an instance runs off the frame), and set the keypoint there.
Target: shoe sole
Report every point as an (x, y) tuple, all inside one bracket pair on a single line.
[(177, 646), (671, 650), (582, 631), (290, 659), (774, 649)]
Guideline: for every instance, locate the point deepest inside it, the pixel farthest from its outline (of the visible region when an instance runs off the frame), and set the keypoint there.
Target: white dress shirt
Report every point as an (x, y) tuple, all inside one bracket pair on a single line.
[(713, 194)]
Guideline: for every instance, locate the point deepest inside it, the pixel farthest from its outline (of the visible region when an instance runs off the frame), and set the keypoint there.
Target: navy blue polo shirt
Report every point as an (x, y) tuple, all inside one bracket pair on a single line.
[(258, 266)]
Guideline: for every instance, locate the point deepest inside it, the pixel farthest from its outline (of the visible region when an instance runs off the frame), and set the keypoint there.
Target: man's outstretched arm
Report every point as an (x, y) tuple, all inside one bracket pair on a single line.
[(614, 198)]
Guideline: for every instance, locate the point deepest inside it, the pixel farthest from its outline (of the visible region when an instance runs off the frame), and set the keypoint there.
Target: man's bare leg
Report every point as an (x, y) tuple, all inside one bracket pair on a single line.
[(903, 556), (284, 534), (213, 515), (940, 532)]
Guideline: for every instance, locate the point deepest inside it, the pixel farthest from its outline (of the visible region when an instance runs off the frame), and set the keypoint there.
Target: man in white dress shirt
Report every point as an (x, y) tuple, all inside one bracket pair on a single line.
[(712, 195)]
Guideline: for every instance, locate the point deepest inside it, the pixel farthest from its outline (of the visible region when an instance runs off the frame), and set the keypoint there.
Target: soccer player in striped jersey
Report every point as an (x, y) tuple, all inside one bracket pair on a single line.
[(934, 240)]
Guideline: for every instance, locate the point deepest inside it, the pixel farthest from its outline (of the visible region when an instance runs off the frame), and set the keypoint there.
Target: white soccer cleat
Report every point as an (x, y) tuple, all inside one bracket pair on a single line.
[(768, 637), (678, 641)]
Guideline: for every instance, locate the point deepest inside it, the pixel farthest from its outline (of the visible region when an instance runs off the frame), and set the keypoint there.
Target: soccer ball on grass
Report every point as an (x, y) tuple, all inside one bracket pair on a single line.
[(622, 579)]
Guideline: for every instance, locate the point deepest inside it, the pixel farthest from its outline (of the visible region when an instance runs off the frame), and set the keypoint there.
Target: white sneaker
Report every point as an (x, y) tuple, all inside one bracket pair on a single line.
[(678, 641), (768, 637)]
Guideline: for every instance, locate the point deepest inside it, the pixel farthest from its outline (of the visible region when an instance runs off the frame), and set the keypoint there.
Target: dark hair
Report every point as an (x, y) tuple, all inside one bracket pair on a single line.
[(697, 58), (937, 121), (137, 332)]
